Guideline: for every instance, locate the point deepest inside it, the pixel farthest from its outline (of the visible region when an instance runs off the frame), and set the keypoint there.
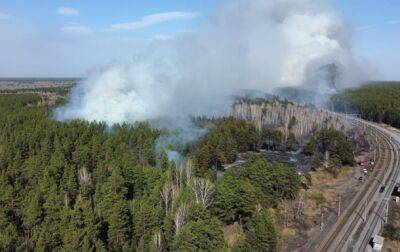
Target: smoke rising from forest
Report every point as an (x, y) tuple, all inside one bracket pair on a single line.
[(251, 44)]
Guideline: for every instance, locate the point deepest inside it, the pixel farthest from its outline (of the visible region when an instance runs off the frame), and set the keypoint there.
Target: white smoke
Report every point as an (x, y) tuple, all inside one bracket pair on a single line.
[(248, 44)]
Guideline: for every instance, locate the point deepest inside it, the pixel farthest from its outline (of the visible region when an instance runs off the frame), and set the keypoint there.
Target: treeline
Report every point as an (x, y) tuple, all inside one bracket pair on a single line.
[(263, 101), (378, 102), (63, 90), (79, 186)]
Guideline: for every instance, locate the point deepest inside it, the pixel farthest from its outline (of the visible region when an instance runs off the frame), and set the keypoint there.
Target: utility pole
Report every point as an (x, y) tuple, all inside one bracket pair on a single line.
[(387, 211), (365, 210), (322, 220)]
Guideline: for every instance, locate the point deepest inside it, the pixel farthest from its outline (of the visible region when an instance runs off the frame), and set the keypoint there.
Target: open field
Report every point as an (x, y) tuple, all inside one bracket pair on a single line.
[(32, 83)]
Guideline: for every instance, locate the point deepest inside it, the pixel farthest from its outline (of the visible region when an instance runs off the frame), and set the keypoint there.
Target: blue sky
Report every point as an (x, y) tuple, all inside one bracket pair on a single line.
[(377, 32), (69, 38)]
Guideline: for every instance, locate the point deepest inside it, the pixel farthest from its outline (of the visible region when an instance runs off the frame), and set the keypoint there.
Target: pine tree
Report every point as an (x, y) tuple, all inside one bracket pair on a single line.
[(200, 236), (119, 231), (162, 161), (235, 199), (260, 233)]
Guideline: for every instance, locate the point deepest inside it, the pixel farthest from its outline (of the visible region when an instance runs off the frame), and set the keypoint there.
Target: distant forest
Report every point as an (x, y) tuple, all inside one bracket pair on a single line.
[(377, 101)]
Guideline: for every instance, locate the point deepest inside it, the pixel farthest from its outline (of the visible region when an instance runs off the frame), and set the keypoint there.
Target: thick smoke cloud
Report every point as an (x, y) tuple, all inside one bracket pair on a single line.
[(248, 44)]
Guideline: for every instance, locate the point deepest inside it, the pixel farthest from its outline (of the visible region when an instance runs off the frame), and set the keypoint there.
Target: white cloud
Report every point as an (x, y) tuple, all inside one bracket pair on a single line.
[(28, 51), (163, 37), (366, 27), (76, 29), (67, 11), (154, 19), (373, 26), (393, 22), (4, 15)]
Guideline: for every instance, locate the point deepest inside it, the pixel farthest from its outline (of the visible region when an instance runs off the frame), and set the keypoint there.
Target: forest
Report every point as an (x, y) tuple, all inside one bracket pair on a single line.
[(81, 186), (376, 101), (84, 186)]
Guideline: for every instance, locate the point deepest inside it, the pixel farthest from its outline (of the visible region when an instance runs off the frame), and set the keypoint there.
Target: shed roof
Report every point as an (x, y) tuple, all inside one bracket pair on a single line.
[(378, 239)]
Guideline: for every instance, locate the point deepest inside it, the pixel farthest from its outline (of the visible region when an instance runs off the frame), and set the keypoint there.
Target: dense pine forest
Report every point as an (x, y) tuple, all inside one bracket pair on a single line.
[(84, 186), (81, 186), (377, 101)]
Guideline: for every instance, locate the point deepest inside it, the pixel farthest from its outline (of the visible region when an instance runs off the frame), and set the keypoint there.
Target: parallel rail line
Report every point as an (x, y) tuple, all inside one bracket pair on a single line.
[(338, 237)]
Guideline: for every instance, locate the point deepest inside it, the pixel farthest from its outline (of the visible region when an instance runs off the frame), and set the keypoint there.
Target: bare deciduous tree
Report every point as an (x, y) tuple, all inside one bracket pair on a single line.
[(202, 190), (180, 217), (179, 174), (169, 193), (175, 193), (157, 240), (166, 195), (66, 199), (299, 206), (285, 206), (84, 175), (189, 171)]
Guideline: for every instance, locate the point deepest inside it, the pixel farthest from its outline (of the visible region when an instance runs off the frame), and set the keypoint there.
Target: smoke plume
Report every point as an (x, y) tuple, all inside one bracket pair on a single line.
[(251, 44)]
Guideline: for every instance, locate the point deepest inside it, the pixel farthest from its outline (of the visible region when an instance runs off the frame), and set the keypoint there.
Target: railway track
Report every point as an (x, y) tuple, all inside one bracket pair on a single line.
[(340, 236), (378, 218)]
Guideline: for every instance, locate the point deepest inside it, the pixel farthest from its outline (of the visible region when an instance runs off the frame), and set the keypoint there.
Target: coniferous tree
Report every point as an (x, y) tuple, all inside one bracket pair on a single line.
[(235, 199), (260, 233), (200, 236)]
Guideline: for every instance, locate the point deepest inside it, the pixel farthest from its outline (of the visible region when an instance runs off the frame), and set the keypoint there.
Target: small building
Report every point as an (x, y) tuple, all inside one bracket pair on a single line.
[(396, 191), (377, 242), (396, 194)]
